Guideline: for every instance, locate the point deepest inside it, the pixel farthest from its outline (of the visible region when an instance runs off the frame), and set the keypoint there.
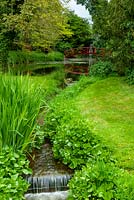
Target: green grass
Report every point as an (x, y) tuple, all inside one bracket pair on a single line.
[(108, 106)]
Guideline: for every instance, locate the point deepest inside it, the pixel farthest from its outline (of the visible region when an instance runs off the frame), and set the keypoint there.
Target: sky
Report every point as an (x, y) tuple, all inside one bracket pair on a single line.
[(79, 9)]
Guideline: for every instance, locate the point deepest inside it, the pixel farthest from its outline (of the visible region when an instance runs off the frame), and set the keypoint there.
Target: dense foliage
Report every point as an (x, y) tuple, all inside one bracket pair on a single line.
[(102, 181), (113, 24), (130, 76), (30, 24), (13, 167), (101, 69), (81, 33)]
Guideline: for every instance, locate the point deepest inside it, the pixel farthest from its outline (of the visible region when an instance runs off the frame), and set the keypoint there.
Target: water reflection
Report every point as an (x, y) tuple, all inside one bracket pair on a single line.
[(78, 66), (37, 69)]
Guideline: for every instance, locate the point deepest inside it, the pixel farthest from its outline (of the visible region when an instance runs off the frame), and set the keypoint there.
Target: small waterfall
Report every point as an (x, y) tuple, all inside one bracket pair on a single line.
[(50, 177), (48, 183)]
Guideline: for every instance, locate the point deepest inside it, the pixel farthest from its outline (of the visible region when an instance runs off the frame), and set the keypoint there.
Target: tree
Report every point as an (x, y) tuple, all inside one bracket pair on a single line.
[(81, 33), (7, 34), (121, 41), (28, 22)]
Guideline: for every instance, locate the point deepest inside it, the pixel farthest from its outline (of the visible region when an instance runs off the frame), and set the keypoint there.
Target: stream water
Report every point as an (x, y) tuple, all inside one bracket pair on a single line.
[(48, 196), (50, 177)]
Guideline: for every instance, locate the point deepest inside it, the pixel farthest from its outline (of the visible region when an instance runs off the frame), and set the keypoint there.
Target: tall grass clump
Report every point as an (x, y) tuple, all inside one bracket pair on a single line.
[(19, 107)]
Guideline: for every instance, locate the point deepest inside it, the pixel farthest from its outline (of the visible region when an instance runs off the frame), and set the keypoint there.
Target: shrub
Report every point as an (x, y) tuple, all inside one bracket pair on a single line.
[(12, 166), (101, 69), (54, 56), (102, 181)]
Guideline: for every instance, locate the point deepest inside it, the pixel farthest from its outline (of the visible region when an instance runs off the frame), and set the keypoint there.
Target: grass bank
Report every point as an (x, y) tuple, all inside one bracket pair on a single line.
[(85, 122), (108, 106), (17, 58)]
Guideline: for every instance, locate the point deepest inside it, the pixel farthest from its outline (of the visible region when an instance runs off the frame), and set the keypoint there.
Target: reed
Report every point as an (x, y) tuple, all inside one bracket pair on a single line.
[(19, 107)]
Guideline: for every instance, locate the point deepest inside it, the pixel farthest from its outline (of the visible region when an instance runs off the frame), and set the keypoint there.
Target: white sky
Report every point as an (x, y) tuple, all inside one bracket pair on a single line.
[(79, 9)]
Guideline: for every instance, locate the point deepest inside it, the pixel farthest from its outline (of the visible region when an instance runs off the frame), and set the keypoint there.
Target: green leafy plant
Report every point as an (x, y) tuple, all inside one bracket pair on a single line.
[(75, 144), (13, 166), (62, 107), (102, 181), (101, 69)]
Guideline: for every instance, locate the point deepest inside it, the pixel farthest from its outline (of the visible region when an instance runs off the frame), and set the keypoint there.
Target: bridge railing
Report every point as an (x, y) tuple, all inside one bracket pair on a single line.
[(75, 52), (88, 55)]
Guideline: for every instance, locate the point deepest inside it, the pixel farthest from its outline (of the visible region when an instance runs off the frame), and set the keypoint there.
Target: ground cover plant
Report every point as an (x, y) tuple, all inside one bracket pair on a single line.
[(102, 181), (73, 141), (13, 166)]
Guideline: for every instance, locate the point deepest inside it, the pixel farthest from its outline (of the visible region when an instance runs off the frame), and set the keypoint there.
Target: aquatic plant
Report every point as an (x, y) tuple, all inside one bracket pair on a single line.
[(19, 107)]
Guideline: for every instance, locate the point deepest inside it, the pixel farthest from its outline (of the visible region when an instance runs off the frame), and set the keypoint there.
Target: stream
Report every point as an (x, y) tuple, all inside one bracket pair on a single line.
[(50, 177)]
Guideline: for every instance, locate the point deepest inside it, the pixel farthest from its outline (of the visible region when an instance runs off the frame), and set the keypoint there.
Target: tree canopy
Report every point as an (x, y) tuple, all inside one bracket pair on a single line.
[(38, 22), (28, 22), (81, 33)]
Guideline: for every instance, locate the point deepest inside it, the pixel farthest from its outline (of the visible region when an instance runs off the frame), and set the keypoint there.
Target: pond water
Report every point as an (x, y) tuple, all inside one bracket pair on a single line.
[(71, 65), (38, 68)]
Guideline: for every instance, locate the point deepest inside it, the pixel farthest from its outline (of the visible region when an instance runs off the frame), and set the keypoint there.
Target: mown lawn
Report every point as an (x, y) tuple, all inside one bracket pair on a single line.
[(108, 106)]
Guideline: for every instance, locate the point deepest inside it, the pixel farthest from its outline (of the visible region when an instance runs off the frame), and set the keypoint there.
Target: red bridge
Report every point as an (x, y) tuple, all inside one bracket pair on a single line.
[(72, 53), (78, 60)]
